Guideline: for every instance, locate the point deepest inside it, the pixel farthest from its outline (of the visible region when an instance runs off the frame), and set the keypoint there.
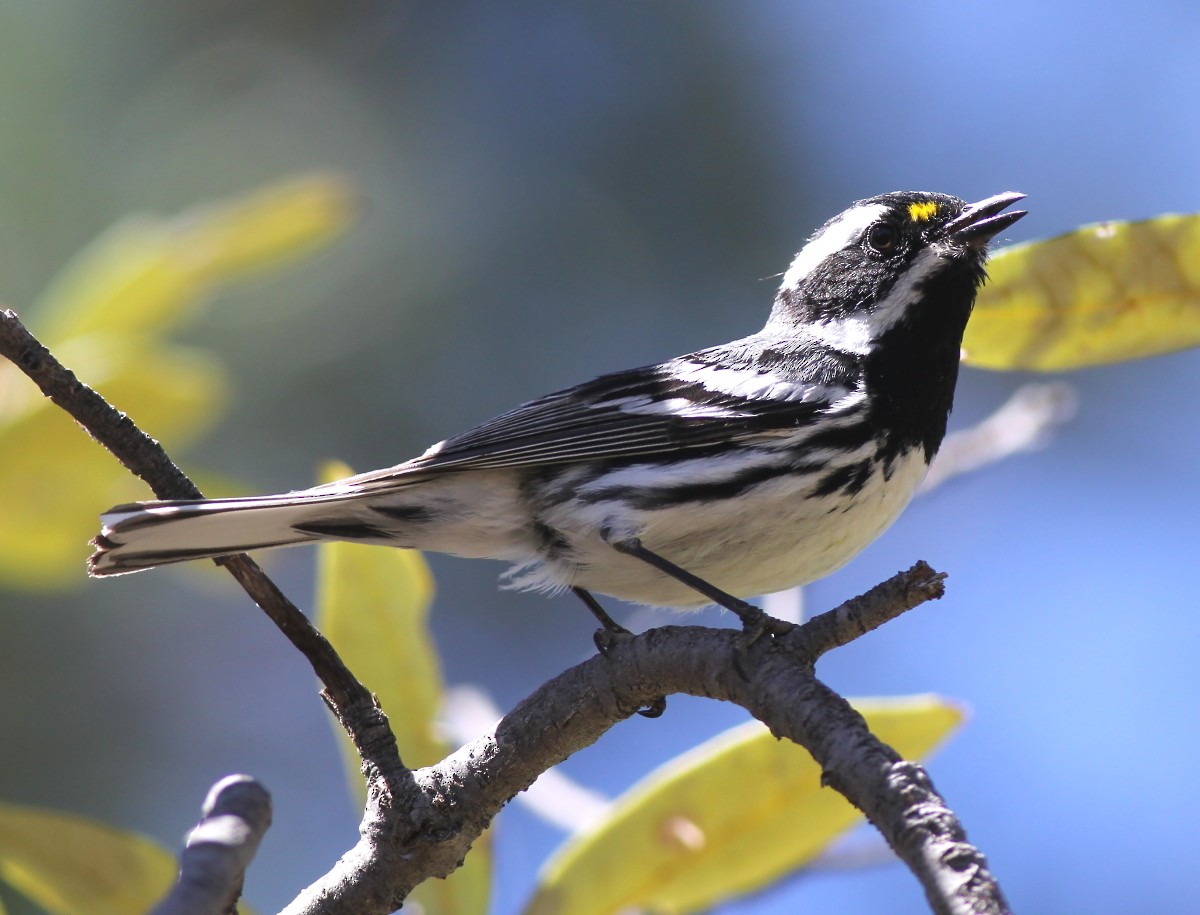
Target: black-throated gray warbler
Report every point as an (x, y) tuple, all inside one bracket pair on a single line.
[(738, 470)]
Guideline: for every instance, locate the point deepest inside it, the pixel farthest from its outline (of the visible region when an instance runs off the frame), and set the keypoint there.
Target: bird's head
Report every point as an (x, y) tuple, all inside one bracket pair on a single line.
[(887, 260)]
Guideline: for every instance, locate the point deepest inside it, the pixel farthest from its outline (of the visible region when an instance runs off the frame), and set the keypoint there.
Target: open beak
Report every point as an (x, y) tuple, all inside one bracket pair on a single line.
[(982, 221)]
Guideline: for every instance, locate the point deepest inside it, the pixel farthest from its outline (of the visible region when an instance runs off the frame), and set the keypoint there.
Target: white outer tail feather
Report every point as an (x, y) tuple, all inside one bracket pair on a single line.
[(145, 535)]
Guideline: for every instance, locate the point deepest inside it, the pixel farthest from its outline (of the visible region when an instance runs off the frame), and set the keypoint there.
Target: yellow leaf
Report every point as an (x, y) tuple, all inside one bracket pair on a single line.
[(54, 480), (727, 818), (145, 273), (467, 891), (1104, 293), (373, 604), (103, 316), (279, 222), (74, 866)]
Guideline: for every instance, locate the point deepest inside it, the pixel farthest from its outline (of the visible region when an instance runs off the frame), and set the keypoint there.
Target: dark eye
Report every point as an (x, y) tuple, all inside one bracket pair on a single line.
[(883, 238)]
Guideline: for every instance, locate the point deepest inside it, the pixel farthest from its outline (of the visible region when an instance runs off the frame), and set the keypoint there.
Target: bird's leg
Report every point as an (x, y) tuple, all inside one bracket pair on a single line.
[(604, 638), (611, 626), (751, 616), (755, 622)]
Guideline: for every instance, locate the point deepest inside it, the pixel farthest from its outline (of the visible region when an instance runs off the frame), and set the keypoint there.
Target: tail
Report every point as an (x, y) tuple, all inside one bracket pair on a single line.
[(143, 535)]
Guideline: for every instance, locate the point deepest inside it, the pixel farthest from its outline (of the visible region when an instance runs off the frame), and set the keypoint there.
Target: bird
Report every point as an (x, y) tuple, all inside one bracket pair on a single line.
[(735, 471)]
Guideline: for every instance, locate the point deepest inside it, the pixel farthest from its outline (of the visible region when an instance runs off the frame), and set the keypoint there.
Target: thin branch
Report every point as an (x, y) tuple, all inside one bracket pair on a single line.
[(236, 814), (860, 615), (145, 458), (114, 431), (420, 824)]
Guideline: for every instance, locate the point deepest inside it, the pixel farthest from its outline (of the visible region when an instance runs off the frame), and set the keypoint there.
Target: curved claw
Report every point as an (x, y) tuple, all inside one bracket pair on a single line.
[(605, 639), (655, 708)]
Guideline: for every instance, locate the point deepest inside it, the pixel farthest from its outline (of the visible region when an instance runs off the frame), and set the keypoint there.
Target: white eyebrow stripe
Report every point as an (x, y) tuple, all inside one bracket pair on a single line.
[(830, 240)]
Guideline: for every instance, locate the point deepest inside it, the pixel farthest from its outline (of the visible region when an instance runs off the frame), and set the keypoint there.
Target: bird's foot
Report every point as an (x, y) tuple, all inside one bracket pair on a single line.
[(607, 637)]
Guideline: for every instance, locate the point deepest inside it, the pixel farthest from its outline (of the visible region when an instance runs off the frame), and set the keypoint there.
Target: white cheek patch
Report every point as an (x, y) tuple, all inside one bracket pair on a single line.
[(857, 333), (830, 240), (906, 292)]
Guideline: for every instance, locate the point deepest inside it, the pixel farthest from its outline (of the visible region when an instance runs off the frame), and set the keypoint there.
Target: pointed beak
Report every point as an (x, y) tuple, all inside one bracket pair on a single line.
[(982, 221)]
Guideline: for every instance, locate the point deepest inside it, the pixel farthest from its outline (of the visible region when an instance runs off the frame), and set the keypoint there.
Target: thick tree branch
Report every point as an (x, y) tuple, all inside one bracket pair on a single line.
[(213, 864), (420, 824), (460, 795)]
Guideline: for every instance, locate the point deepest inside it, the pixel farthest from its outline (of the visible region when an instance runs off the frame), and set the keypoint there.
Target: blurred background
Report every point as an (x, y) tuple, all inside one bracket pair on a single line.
[(551, 191)]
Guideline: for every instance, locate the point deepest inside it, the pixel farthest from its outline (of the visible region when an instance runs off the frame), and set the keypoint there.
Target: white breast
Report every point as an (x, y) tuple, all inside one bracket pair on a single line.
[(772, 537)]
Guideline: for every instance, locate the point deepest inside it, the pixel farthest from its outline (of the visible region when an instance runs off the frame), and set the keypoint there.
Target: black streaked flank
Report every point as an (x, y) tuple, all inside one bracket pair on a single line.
[(847, 435), (736, 484), (667, 496), (551, 543), (848, 480)]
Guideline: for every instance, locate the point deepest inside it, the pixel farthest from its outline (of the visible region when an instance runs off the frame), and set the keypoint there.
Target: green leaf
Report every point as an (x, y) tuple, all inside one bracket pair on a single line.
[(373, 605), (1108, 292), (727, 818), (73, 866)]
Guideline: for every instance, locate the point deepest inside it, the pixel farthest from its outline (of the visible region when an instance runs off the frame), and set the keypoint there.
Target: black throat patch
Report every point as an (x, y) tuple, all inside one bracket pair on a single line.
[(912, 370)]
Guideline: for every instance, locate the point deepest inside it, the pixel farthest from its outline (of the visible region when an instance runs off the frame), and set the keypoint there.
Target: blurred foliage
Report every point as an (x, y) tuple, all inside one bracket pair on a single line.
[(373, 606), (69, 865), (1104, 293), (727, 818), (147, 274), (105, 318)]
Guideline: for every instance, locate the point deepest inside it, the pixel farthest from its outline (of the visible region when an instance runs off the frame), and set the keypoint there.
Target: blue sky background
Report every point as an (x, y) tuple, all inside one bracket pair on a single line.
[(553, 191)]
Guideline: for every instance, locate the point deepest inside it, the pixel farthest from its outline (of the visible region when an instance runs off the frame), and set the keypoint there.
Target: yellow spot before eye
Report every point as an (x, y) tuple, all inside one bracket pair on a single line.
[(922, 212)]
